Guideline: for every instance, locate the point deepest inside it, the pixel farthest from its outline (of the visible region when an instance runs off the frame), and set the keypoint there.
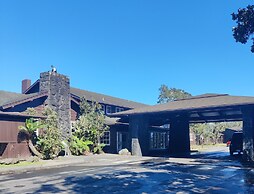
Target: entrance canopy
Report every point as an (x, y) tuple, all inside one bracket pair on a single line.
[(198, 109)]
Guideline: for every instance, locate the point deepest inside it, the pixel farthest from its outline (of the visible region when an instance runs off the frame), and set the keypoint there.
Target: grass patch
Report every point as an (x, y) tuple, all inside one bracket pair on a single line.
[(21, 164), (206, 147)]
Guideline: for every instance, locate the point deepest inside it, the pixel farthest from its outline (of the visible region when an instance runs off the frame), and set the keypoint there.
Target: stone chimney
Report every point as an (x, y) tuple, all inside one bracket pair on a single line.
[(58, 88), (26, 83)]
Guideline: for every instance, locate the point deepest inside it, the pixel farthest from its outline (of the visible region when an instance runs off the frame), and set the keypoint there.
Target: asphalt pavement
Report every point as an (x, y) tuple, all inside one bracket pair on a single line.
[(208, 172)]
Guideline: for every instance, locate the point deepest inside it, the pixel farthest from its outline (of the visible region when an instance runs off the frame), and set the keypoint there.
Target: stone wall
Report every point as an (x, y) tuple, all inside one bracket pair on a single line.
[(58, 88)]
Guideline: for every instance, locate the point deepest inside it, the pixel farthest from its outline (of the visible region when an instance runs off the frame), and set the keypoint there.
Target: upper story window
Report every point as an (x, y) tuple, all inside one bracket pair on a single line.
[(103, 108), (118, 109), (108, 109)]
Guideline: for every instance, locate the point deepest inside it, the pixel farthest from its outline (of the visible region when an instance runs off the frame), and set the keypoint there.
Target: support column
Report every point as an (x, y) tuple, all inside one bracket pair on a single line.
[(138, 128), (248, 133), (179, 139)]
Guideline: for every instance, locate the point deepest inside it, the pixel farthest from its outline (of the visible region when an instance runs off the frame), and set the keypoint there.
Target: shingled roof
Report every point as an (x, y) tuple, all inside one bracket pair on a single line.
[(8, 98), (11, 97), (192, 103), (105, 99)]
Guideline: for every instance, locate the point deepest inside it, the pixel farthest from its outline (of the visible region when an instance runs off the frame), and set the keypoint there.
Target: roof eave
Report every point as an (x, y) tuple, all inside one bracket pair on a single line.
[(130, 113), (15, 103)]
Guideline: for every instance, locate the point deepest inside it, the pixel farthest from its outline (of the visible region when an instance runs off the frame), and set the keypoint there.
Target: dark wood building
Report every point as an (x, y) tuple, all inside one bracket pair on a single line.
[(54, 89), (11, 146)]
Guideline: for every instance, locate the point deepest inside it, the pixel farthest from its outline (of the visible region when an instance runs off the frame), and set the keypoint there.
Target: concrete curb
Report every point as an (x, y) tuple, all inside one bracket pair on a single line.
[(72, 160)]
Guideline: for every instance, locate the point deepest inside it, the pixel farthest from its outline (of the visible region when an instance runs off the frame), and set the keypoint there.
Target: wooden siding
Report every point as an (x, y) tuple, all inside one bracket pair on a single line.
[(74, 115), (16, 150), (9, 131), (9, 137)]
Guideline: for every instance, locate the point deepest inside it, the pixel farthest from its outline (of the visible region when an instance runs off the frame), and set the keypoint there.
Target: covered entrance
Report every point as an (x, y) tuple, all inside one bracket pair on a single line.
[(180, 113)]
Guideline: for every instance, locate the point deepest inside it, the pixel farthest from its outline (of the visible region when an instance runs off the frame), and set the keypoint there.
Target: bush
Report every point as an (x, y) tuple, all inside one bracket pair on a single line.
[(89, 127), (79, 146), (98, 148), (49, 142)]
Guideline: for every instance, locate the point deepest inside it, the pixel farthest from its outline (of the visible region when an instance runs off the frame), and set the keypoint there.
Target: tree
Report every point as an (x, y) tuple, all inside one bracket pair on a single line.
[(90, 125), (50, 140), (28, 130), (216, 130), (171, 94), (205, 133), (30, 111), (199, 131), (245, 25)]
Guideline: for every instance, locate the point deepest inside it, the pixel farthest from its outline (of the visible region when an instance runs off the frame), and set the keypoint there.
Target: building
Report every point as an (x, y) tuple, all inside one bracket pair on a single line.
[(54, 89), (144, 130), (180, 113), (11, 144)]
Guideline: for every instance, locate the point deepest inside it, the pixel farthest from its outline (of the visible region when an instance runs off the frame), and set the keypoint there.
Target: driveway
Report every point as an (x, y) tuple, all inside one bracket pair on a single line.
[(208, 172)]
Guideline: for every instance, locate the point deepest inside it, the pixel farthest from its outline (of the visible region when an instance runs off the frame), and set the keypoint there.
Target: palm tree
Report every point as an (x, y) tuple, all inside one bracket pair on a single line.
[(31, 125)]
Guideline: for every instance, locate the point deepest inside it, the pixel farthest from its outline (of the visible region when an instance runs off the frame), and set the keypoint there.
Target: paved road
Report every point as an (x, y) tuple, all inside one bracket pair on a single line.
[(211, 172)]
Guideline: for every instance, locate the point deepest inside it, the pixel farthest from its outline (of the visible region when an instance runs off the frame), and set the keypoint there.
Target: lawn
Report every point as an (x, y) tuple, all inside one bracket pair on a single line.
[(21, 164), (206, 147)]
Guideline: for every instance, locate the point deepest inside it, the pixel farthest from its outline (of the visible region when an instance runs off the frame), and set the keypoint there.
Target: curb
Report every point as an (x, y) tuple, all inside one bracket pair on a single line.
[(63, 162)]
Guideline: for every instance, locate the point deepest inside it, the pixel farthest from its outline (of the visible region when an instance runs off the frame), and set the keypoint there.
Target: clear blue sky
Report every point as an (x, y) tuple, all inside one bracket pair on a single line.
[(126, 48)]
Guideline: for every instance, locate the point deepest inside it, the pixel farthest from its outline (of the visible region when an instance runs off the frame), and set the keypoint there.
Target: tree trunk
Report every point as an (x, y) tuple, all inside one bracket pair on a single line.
[(34, 150)]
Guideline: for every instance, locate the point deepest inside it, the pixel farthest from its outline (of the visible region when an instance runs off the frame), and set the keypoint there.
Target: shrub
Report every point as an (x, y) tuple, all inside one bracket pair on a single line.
[(79, 146), (90, 126), (49, 142)]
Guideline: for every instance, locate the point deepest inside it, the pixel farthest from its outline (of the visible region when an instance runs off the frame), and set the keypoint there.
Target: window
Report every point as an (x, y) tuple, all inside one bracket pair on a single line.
[(166, 126), (108, 110), (159, 140), (118, 109), (105, 139), (103, 108)]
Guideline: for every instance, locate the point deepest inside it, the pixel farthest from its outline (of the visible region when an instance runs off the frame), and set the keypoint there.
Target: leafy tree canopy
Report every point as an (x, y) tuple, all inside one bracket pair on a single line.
[(245, 25), (89, 127), (171, 94)]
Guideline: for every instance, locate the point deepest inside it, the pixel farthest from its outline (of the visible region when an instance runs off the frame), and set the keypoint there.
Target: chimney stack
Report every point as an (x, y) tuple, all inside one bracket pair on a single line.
[(26, 83), (57, 87)]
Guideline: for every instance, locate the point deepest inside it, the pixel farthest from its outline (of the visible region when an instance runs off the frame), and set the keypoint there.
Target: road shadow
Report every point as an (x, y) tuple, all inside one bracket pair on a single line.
[(160, 176)]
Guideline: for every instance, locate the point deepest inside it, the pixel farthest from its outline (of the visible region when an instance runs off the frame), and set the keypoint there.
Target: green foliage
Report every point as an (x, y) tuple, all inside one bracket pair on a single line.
[(79, 146), (31, 125), (51, 120), (27, 132), (199, 131), (216, 130), (98, 148), (91, 123), (245, 25), (50, 140), (30, 111), (171, 94), (211, 132)]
